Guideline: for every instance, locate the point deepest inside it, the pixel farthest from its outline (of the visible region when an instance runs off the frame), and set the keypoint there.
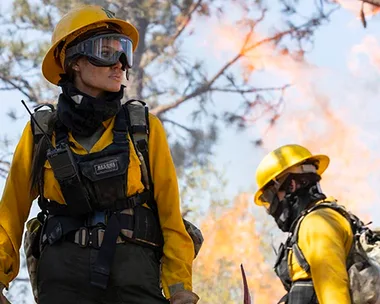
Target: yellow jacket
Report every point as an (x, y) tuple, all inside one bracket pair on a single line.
[(325, 238), (17, 199)]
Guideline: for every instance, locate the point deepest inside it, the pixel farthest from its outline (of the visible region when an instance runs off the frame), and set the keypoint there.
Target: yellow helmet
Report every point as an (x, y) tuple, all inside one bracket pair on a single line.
[(283, 158), (75, 23)]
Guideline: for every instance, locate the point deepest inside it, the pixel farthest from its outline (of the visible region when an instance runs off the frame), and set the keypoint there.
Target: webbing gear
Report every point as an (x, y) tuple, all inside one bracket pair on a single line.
[(105, 50), (104, 236), (94, 181), (101, 179), (363, 261)]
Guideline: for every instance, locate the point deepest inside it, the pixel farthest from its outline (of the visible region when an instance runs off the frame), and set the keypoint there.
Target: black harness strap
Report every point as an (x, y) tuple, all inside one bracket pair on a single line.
[(100, 270), (120, 129), (141, 146)]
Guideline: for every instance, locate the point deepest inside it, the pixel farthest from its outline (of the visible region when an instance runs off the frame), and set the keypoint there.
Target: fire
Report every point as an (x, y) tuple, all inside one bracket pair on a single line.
[(231, 239), (311, 117), (321, 114)]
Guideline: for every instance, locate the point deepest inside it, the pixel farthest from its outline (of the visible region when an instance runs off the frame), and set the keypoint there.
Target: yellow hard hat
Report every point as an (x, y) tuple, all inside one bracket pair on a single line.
[(75, 23), (278, 161)]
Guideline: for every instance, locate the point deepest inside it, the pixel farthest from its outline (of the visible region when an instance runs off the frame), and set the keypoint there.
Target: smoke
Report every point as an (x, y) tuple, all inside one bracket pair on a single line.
[(328, 111)]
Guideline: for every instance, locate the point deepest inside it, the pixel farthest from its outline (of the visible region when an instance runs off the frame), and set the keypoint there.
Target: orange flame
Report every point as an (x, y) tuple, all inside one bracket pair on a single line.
[(230, 240), (311, 118)]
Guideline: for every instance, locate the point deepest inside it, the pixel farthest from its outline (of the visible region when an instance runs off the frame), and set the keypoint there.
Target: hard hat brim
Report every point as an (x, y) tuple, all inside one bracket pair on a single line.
[(322, 160), (51, 66)]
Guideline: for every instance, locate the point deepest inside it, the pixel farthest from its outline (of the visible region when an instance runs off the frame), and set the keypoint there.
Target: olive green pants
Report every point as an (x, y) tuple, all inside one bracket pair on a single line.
[(63, 276)]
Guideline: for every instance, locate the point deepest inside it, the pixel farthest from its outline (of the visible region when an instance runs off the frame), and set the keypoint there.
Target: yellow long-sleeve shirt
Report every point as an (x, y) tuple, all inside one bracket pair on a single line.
[(325, 238), (17, 199)]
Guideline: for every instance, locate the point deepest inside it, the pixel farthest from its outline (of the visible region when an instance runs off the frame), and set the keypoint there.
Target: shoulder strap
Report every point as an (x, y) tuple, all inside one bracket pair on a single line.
[(120, 129), (301, 260), (138, 126)]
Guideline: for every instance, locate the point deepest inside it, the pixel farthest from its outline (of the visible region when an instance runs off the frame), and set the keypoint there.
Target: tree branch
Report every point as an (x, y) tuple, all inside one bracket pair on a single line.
[(180, 29), (206, 86), (252, 90), (6, 89), (31, 97)]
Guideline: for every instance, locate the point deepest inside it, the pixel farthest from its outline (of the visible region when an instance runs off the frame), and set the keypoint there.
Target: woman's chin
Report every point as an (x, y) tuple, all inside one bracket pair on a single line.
[(112, 89)]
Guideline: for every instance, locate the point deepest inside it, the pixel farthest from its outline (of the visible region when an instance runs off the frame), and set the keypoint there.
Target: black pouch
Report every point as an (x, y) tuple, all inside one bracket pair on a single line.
[(106, 177), (147, 229), (65, 170)]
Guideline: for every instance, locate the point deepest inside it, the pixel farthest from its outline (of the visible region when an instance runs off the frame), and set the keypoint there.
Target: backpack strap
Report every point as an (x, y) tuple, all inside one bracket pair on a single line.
[(301, 260), (138, 126)]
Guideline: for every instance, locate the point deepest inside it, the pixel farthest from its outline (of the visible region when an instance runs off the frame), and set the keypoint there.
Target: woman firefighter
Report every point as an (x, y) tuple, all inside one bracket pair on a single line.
[(108, 235)]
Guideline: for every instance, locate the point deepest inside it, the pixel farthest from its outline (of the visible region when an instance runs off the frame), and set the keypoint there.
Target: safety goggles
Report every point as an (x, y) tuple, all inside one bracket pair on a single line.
[(105, 50), (269, 193)]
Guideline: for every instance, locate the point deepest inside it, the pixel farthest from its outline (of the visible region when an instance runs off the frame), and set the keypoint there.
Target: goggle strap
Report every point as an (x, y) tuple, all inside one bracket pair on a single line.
[(78, 49)]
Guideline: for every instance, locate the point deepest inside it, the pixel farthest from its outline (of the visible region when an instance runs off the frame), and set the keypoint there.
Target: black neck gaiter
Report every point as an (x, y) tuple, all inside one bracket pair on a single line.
[(83, 114), (286, 211)]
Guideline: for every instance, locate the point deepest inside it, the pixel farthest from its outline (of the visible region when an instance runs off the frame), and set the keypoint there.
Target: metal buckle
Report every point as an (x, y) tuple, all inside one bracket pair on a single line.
[(83, 237), (96, 237)]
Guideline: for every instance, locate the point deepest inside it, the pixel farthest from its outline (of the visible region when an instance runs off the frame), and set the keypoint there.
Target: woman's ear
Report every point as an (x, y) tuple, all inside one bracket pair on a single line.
[(76, 67)]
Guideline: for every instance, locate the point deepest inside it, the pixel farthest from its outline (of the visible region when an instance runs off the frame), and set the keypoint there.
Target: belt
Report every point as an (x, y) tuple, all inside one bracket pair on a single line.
[(90, 237)]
